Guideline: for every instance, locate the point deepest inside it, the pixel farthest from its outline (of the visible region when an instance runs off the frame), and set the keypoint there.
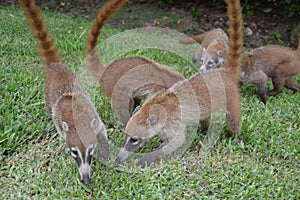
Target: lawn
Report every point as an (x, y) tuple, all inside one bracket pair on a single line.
[(36, 165)]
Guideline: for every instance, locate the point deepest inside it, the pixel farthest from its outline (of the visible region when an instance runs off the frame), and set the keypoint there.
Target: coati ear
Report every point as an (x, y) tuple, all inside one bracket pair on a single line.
[(64, 126), (219, 53), (94, 123), (151, 120)]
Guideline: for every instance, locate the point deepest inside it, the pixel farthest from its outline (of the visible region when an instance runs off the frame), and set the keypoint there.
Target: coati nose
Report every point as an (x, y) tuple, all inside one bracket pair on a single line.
[(86, 181)]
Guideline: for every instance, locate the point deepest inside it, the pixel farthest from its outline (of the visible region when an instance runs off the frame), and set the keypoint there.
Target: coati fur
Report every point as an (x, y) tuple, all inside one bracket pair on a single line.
[(213, 50), (127, 81), (68, 105), (279, 63), (167, 113)]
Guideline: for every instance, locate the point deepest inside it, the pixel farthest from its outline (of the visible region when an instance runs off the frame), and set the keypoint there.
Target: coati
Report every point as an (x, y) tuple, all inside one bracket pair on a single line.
[(143, 76), (213, 50), (167, 113), (69, 106), (279, 63)]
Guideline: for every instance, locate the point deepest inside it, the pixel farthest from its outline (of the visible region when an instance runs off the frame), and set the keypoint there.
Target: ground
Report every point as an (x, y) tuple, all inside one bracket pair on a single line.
[(261, 27)]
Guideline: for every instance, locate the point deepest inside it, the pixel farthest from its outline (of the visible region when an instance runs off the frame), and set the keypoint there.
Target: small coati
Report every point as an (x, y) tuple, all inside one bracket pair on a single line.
[(213, 50), (279, 63), (167, 113), (128, 80), (67, 103)]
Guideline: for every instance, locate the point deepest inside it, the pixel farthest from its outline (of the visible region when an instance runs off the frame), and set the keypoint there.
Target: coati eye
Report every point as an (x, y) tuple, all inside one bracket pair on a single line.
[(133, 139), (219, 53), (201, 60), (73, 152)]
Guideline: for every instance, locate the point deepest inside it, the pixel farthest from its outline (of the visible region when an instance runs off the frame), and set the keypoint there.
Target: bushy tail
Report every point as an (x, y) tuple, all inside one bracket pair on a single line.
[(46, 47), (196, 38), (104, 13), (234, 57)]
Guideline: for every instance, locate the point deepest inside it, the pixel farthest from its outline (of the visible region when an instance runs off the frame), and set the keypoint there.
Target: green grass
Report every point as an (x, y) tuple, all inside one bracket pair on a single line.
[(35, 164)]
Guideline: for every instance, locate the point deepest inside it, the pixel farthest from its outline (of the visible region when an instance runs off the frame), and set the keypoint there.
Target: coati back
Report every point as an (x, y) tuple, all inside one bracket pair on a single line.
[(279, 63), (125, 93), (67, 103), (168, 112), (213, 50)]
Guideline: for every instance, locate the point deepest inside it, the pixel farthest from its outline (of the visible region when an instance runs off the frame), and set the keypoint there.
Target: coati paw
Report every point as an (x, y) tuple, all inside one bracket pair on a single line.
[(263, 98), (142, 163), (104, 155), (204, 132), (272, 93)]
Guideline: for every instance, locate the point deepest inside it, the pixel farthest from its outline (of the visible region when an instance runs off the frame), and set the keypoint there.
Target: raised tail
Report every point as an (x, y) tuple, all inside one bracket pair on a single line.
[(196, 38), (234, 57), (46, 47), (104, 13)]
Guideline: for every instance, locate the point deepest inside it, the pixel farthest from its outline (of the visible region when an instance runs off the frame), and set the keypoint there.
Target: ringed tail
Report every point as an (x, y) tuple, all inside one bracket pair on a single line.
[(104, 13), (234, 57), (46, 47)]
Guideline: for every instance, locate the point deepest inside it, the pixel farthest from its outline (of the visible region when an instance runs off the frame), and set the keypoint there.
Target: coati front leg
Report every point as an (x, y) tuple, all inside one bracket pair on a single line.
[(278, 83), (260, 81), (258, 78), (205, 125), (292, 85), (169, 146)]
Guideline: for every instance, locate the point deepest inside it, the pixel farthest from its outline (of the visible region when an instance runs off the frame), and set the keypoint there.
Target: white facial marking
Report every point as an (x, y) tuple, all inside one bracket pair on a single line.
[(65, 126), (90, 151), (84, 169)]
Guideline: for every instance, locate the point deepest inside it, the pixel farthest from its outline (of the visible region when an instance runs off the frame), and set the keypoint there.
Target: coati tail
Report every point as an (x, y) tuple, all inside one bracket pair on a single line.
[(104, 13), (234, 57), (46, 47)]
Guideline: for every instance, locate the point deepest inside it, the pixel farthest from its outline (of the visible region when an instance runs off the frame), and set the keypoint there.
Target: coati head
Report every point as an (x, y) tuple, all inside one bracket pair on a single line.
[(80, 125), (138, 134), (151, 119), (211, 57)]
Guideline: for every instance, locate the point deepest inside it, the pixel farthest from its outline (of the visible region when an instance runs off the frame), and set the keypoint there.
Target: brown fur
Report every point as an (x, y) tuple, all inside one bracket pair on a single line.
[(167, 113), (213, 50), (67, 103), (279, 63), (125, 93)]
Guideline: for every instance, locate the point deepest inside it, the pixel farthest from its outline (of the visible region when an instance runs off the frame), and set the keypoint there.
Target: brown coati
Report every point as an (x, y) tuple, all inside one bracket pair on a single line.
[(279, 63), (213, 50), (67, 103), (167, 113), (128, 80)]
